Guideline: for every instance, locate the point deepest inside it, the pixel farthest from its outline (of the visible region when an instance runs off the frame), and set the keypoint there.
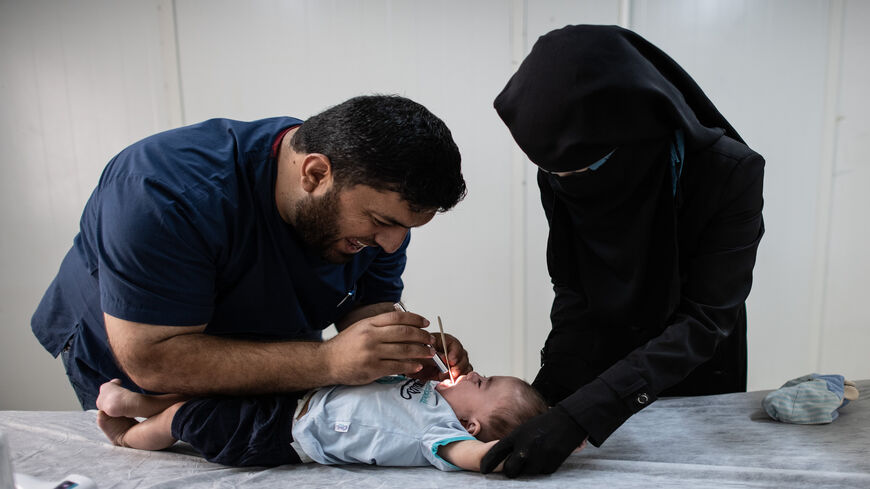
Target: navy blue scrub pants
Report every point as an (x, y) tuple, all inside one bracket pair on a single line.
[(240, 431)]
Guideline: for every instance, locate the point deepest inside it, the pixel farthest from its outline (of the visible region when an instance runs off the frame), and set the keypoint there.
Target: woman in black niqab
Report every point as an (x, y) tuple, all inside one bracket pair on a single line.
[(654, 206)]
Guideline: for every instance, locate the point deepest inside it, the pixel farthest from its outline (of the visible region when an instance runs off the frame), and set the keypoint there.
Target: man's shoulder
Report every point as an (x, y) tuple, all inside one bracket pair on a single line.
[(221, 132), (206, 153)]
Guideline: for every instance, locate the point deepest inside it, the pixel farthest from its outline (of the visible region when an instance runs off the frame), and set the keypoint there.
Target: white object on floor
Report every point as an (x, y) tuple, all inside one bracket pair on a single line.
[(72, 481), (8, 480)]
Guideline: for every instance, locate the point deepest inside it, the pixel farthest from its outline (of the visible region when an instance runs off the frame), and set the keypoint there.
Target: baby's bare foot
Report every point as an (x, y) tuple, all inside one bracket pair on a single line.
[(117, 401), (115, 427)]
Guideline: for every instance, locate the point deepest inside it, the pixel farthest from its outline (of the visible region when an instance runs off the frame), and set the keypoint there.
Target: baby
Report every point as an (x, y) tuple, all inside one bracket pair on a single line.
[(395, 421)]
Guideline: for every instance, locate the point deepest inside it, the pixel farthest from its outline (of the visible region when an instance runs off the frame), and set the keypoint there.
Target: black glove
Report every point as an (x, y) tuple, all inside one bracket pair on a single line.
[(538, 446)]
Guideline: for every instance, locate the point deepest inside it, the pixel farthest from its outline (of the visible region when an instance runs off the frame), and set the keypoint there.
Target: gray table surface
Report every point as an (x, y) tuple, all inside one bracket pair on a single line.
[(711, 441)]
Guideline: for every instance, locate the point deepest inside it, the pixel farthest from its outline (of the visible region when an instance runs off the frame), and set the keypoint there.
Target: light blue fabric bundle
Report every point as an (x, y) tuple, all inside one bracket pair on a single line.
[(811, 399)]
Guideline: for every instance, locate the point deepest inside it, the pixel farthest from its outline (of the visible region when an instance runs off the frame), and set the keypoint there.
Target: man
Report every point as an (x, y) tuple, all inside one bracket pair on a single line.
[(210, 257)]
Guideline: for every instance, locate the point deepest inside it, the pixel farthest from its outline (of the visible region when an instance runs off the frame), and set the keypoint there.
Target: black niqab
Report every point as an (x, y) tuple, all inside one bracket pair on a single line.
[(582, 92)]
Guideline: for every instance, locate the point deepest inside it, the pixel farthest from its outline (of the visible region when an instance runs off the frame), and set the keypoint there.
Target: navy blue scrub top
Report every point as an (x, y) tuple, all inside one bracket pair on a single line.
[(183, 230)]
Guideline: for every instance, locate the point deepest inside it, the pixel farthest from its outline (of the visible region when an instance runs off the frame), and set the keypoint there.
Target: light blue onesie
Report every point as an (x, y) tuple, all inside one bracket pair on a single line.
[(395, 421)]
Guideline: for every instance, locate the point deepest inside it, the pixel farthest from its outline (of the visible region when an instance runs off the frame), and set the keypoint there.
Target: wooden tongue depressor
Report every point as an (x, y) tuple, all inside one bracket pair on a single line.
[(444, 344)]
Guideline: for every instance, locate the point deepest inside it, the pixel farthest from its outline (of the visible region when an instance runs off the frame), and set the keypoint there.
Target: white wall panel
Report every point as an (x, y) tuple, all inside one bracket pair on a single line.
[(543, 17), (79, 82), (297, 58), (764, 64), (844, 342)]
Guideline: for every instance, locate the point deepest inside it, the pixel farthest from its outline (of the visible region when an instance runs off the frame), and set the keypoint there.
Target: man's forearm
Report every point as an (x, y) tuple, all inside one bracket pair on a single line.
[(185, 360), (199, 364), (234, 367)]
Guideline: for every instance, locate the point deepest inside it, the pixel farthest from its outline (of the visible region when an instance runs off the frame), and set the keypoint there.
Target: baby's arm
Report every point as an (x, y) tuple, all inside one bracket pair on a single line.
[(466, 454)]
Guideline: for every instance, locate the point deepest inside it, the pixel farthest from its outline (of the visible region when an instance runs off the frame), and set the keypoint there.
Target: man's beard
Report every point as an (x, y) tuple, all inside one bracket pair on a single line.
[(316, 222)]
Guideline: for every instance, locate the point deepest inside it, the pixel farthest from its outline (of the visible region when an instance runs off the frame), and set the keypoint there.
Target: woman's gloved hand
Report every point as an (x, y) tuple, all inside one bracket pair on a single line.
[(538, 446)]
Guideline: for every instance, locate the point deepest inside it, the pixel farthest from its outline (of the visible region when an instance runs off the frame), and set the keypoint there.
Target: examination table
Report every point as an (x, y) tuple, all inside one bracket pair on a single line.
[(710, 441)]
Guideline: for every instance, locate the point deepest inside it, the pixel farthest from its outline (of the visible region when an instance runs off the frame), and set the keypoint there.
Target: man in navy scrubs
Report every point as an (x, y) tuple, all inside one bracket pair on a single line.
[(210, 257)]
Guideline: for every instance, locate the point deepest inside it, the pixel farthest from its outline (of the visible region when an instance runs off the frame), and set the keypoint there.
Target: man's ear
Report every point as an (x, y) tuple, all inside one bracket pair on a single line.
[(315, 172), (471, 425)]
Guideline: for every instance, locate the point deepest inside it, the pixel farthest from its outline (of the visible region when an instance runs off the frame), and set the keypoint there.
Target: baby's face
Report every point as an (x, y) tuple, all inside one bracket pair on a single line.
[(474, 395)]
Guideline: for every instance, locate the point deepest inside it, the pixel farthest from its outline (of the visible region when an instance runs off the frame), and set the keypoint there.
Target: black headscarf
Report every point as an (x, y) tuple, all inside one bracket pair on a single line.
[(583, 92), (585, 89)]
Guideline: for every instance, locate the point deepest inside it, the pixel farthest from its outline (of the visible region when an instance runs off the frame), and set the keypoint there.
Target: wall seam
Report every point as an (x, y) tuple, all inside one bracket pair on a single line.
[(519, 224), (624, 14), (825, 208), (171, 63)]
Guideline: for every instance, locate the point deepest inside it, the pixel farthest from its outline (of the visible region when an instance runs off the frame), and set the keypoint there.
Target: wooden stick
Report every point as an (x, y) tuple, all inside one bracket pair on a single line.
[(444, 344)]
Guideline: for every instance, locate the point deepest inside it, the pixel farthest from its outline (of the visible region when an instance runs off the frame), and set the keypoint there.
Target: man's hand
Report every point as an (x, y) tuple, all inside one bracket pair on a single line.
[(538, 446), (386, 344), (456, 354)]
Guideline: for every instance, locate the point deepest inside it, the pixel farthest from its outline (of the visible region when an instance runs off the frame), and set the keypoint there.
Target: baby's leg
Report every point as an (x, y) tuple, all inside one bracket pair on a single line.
[(119, 407), (155, 433), (116, 401)]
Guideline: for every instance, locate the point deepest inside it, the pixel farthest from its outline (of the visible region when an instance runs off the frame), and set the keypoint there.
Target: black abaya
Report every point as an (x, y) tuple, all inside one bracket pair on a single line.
[(651, 266)]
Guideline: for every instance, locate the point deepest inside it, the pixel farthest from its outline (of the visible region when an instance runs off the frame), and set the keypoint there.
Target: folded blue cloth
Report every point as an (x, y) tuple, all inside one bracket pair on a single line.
[(811, 399)]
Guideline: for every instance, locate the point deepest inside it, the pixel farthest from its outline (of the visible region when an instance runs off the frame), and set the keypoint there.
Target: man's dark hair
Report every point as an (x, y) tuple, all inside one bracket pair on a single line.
[(389, 143)]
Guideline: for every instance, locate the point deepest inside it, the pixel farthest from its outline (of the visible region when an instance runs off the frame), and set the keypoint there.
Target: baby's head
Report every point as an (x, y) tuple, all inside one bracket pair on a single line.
[(491, 407)]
